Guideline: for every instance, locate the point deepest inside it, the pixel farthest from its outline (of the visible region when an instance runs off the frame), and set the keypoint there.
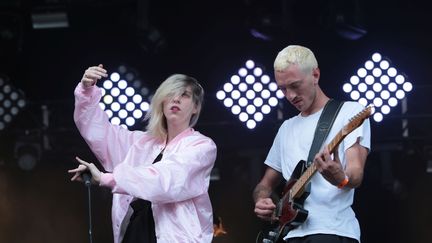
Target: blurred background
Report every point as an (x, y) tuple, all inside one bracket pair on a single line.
[(369, 51)]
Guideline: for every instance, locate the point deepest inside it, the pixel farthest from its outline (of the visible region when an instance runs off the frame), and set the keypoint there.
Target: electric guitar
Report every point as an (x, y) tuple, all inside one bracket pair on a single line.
[(289, 212)]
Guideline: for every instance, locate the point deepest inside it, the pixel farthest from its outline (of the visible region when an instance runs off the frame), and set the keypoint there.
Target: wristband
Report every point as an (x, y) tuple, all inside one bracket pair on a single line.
[(344, 182)]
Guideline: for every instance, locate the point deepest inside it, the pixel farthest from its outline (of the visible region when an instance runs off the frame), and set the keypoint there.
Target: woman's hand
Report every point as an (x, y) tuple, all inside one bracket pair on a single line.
[(85, 166), (93, 74)]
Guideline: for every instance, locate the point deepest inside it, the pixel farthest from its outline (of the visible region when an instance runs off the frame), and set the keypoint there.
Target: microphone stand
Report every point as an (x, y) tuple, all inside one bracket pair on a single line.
[(87, 183)]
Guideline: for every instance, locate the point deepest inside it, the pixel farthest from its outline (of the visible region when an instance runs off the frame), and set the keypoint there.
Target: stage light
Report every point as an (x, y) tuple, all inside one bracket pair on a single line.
[(378, 83), (250, 94), (12, 101), (125, 99)]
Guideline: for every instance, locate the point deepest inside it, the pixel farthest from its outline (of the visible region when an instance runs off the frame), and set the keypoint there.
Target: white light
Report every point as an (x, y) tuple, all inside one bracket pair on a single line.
[(376, 57), (7, 103), (354, 80), (362, 87), (265, 109), (107, 84), (122, 99), (235, 79), (265, 94), (115, 106), (400, 94), (228, 102), (220, 95), (137, 98), (122, 84), (235, 109), (384, 79), (347, 87), (384, 64), (378, 117), (279, 94), (130, 106), (243, 102), (376, 72), (122, 114), (257, 87), (370, 95), (392, 102), (385, 94), (7, 89), (385, 109), (265, 79), (108, 99), (378, 102), (235, 94), (273, 86), (242, 87), (258, 101), (377, 87), (242, 72), (115, 92), (137, 114), (392, 87), (102, 106), (115, 121), (21, 103), (369, 65), (400, 79), (355, 95), (369, 79), (361, 72), (273, 101), (250, 79), (250, 64), (363, 101), (258, 116), (7, 118), (251, 124), (109, 113), (144, 106), (130, 91), (115, 77), (130, 121), (250, 94), (250, 109), (392, 72), (14, 110), (243, 116), (258, 71), (228, 87), (407, 86)]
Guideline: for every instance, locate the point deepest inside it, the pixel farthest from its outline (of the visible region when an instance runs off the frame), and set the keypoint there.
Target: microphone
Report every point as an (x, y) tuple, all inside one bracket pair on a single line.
[(86, 176)]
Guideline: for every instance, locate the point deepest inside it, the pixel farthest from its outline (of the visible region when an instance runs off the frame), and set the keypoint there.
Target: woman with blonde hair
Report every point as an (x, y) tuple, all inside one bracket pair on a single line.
[(160, 177)]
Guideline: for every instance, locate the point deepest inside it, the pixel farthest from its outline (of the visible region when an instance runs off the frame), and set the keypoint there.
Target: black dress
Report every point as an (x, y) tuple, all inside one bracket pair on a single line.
[(141, 227)]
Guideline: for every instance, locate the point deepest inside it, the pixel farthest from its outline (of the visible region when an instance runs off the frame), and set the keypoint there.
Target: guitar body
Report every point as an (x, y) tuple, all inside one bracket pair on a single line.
[(290, 212)]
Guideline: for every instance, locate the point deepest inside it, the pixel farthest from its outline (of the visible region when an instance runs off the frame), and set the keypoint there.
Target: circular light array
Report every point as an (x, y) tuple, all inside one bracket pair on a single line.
[(250, 94), (12, 101), (124, 98), (378, 83)]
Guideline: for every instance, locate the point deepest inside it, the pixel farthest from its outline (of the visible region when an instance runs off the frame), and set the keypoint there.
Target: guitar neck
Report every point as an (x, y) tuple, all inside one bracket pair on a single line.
[(298, 187)]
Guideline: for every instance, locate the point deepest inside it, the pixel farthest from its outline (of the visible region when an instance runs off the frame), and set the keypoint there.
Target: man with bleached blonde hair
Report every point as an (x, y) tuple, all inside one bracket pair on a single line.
[(330, 217)]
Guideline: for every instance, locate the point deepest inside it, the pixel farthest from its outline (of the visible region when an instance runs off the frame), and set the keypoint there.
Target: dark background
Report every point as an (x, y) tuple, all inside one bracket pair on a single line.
[(209, 40)]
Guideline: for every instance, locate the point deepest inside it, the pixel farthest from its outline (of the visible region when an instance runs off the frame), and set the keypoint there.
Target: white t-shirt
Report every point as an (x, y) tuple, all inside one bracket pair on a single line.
[(329, 208)]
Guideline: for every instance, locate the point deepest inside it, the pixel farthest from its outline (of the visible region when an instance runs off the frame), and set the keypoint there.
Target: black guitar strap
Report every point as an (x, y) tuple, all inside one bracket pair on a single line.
[(325, 122)]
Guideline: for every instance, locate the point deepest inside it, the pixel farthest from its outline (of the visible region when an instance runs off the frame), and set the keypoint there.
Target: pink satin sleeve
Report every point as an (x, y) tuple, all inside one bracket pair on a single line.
[(108, 142)]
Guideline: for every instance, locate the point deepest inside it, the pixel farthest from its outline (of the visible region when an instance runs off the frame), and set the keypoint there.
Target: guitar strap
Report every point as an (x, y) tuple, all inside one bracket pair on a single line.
[(325, 122)]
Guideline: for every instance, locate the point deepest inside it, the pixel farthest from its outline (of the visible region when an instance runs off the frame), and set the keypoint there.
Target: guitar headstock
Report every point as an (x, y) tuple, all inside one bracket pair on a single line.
[(357, 120)]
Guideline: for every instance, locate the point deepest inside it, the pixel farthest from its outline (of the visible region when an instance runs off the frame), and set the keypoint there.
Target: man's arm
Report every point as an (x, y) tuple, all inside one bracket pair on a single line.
[(264, 205)]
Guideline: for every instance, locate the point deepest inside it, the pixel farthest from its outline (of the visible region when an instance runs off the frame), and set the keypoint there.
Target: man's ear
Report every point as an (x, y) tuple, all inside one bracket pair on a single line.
[(316, 75)]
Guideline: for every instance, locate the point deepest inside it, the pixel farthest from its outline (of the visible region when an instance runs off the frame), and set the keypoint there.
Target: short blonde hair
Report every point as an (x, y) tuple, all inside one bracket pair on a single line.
[(295, 55), (175, 85)]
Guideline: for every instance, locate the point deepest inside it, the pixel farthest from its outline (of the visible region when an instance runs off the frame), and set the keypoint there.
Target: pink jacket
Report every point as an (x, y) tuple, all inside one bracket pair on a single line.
[(177, 185)]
